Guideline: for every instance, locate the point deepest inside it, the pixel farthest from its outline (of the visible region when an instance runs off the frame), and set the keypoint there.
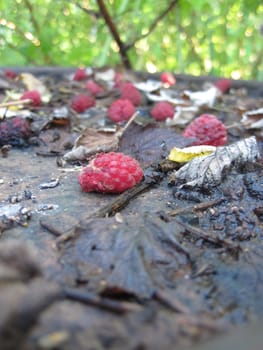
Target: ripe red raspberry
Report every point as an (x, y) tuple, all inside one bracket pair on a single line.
[(93, 87), (82, 102), (9, 73), (130, 92), (110, 173), (121, 110), (167, 78), (14, 131), (80, 74), (223, 85), (119, 80), (207, 130), (162, 110), (32, 95)]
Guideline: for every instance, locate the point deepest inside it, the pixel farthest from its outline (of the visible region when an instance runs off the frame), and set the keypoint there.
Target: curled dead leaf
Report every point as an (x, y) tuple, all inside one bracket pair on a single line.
[(208, 171), (253, 119)]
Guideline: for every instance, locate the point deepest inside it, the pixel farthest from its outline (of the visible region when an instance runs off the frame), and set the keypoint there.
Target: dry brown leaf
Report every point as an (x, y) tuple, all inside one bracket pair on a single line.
[(253, 119), (91, 142)]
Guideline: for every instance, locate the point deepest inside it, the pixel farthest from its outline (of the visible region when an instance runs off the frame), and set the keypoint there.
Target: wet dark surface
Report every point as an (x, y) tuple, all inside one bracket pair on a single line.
[(161, 273)]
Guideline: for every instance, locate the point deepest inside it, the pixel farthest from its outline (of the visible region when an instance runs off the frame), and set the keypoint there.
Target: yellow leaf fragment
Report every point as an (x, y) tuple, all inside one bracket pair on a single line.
[(183, 155)]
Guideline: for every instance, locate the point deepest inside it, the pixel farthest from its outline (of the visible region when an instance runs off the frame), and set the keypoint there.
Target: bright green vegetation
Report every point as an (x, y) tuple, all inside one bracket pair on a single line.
[(217, 37)]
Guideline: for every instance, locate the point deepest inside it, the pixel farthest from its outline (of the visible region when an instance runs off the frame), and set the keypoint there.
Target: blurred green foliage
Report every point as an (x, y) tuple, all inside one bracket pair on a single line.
[(219, 37)]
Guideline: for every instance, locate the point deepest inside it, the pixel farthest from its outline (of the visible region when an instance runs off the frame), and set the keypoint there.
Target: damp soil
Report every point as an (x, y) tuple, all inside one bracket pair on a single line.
[(155, 268)]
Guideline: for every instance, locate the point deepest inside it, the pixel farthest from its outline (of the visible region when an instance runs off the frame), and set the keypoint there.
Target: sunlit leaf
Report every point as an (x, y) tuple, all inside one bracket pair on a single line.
[(182, 155)]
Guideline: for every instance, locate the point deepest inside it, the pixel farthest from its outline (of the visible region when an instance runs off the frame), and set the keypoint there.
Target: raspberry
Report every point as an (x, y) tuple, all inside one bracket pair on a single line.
[(9, 73), (32, 95), (80, 74), (82, 102), (121, 110), (14, 131), (119, 80), (93, 87), (162, 110), (129, 92), (167, 78), (110, 173), (223, 85), (208, 130)]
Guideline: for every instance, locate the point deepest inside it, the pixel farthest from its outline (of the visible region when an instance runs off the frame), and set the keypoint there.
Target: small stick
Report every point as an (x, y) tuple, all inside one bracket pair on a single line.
[(50, 228), (201, 322), (200, 206), (208, 237), (122, 130), (15, 103), (122, 201), (171, 303), (93, 300)]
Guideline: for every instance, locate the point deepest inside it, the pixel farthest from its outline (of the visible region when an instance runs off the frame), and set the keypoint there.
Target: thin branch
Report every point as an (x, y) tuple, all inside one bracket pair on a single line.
[(37, 29), (153, 25), (91, 13), (16, 49), (114, 32), (32, 16)]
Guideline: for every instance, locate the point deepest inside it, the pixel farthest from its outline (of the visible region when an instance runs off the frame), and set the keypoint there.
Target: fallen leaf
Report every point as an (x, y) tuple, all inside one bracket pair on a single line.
[(182, 155), (149, 85), (106, 75), (253, 119), (91, 142), (133, 257), (203, 98), (151, 143), (208, 171), (182, 115)]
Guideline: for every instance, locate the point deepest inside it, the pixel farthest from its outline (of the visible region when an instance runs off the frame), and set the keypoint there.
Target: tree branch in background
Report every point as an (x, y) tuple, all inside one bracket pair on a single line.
[(37, 29), (114, 33), (16, 49), (92, 13), (153, 25)]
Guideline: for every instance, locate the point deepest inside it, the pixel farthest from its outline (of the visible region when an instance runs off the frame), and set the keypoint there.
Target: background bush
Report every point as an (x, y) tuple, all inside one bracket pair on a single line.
[(219, 37)]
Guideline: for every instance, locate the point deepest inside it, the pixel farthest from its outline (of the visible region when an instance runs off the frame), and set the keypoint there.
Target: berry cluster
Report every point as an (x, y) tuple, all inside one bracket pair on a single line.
[(82, 102), (207, 130), (14, 131), (121, 110), (32, 95), (110, 173), (162, 110)]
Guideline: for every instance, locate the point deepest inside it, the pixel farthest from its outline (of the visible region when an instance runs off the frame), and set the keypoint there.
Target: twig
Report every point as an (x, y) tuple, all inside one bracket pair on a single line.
[(15, 103), (191, 208), (208, 237), (201, 322), (153, 25), (113, 29), (92, 13), (93, 300), (171, 303), (50, 228), (122, 201)]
